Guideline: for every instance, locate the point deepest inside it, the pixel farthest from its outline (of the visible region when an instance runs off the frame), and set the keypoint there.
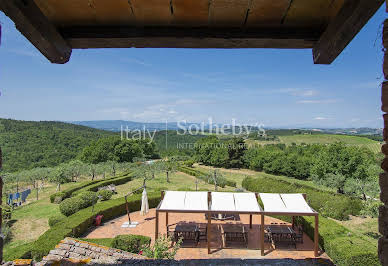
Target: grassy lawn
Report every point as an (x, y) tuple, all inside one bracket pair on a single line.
[(238, 175), (364, 225), (30, 220), (374, 146), (178, 181)]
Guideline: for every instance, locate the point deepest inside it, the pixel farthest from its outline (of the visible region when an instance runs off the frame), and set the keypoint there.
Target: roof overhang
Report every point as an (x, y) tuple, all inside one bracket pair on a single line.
[(55, 27)]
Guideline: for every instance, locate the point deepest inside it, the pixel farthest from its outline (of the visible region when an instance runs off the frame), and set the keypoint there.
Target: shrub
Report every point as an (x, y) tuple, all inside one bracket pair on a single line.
[(88, 198), (77, 224), (53, 220), (342, 245), (371, 208), (70, 206), (162, 248), (130, 243), (57, 197), (6, 232), (221, 181), (105, 194), (20, 252), (188, 163), (327, 203), (68, 192), (115, 181)]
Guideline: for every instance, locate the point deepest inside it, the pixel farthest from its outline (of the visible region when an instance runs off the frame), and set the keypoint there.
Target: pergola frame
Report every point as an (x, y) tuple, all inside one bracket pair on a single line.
[(261, 213)]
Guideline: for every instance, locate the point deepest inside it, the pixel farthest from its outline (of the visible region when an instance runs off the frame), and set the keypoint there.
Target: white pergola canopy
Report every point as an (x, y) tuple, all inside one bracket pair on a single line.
[(241, 203), (285, 204), (188, 201), (234, 202), (184, 201)]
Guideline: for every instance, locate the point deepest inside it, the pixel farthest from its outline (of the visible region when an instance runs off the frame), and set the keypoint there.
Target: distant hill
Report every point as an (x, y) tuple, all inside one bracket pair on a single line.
[(115, 125), (28, 144)]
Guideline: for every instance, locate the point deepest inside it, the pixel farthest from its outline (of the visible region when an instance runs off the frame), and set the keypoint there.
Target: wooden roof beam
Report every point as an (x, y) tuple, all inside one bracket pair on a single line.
[(351, 18), (33, 24), (183, 37)]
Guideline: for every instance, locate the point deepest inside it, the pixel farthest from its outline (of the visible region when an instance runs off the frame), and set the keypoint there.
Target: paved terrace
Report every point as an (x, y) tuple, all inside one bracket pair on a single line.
[(146, 227)]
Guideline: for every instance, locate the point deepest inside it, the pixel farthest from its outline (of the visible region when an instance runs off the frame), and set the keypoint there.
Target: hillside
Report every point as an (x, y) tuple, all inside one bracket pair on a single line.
[(323, 139), (28, 144)]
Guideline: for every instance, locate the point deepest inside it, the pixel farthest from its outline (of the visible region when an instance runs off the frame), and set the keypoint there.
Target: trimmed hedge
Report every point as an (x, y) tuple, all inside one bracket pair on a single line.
[(115, 181), (20, 252), (105, 194), (343, 246), (130, 243), (78, 223), (53, 220), (67, 192), (222, 182), (328, 204), (72, 205)]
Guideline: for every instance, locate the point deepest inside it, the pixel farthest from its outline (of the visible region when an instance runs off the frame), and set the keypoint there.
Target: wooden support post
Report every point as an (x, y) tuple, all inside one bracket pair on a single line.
[(250, 221), (166, 218), (262, 235), (316, 236), (293, 222), (162, 194), (127, 208), (156, 224), (209, 222)]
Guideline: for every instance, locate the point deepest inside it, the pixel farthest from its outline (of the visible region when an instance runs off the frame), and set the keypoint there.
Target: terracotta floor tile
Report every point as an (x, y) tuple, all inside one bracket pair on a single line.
[(146, 227)]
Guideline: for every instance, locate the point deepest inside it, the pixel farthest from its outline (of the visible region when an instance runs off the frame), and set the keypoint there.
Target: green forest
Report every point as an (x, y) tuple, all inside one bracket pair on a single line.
[(347, 169), (27, 144)]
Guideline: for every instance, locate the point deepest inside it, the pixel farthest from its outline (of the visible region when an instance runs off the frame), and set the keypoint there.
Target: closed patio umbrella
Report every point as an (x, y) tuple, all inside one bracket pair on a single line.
[(144, 203)]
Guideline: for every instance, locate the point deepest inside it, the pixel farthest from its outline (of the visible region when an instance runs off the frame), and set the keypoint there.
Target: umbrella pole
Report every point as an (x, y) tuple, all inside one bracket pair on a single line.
[(126, 207)]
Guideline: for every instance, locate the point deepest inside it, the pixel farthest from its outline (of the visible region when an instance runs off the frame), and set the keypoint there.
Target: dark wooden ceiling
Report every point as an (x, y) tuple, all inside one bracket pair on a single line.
[(56, 27)]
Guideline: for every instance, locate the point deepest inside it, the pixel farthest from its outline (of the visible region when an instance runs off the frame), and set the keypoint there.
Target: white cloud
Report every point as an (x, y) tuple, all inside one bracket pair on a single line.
[(136, 61), (298, 92), (321, 101), (320, 118)]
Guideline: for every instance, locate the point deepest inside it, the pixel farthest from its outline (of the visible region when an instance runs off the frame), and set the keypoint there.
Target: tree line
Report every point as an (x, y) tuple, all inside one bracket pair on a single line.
[(347, 169)]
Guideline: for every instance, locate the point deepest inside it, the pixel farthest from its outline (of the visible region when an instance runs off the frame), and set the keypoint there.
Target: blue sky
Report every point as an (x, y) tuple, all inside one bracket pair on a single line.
[(265, 86)]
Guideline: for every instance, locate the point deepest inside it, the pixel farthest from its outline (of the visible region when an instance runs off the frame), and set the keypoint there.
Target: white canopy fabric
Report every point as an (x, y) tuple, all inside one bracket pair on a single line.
[(296, 202), (196, 201), (285, 203), (220, 202), (246, 202), (173, 200), (184, 201)]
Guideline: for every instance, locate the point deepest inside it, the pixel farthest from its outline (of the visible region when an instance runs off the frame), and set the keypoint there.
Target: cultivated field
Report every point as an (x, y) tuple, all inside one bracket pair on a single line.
[(323, 139)]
